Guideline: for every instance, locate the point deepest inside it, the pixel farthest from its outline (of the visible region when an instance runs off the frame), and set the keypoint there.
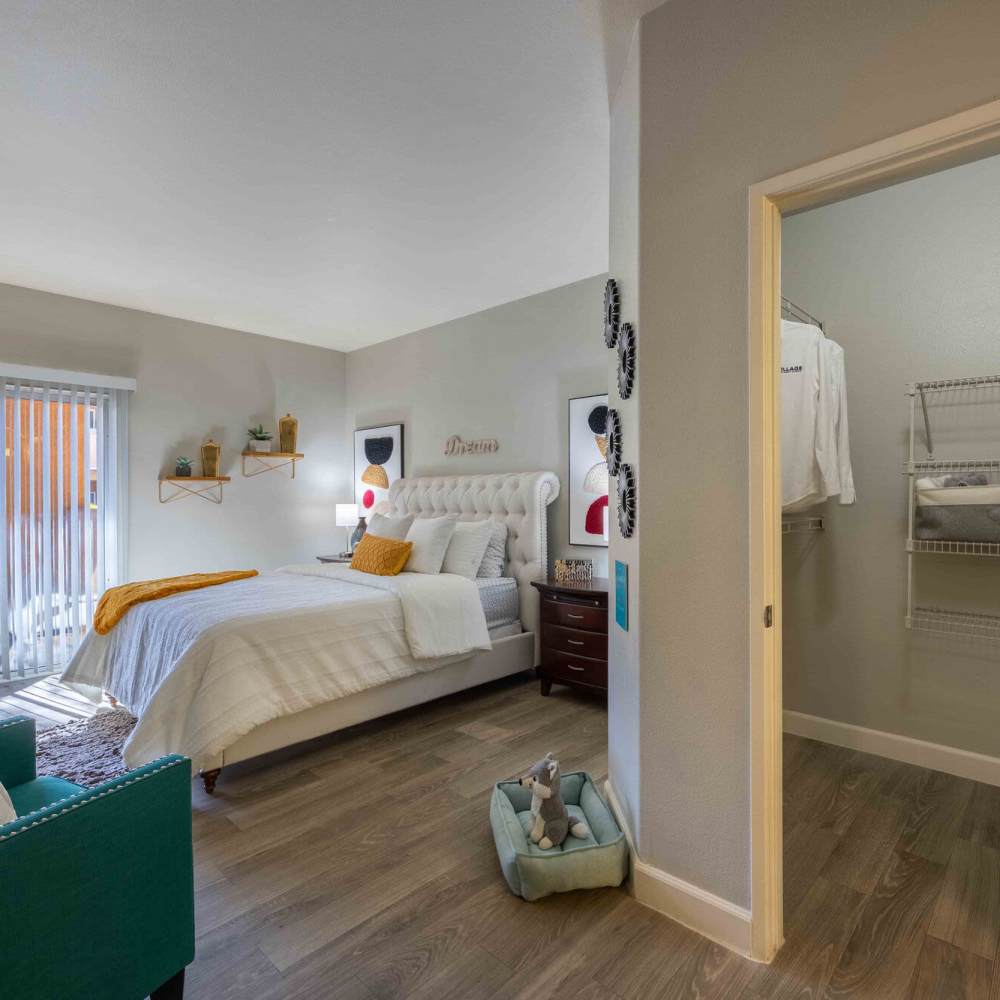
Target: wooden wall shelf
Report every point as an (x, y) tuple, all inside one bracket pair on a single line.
[(268, 461), (207, 487)]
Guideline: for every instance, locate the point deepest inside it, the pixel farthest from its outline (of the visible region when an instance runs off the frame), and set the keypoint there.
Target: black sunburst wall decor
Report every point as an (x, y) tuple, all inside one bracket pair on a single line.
[(626, 500), (614, 439), (626, 360), (612, 312)]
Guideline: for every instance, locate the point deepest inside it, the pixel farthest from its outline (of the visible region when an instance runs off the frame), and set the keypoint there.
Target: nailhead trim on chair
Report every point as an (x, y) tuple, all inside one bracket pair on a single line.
[(85, 801), (16, 720)]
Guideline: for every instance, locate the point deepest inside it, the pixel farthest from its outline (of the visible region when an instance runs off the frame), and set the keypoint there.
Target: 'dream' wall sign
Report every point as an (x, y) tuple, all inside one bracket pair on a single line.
[(484, 446)]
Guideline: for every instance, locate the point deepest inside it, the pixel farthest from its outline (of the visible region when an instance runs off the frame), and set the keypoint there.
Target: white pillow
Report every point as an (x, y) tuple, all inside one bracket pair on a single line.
[(467, 548), (385, 526), (7, 814), (495, 557), (430, 537)]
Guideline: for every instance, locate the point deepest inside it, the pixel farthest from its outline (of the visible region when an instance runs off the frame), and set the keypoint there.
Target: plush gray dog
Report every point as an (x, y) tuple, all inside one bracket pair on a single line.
[(552, 821)]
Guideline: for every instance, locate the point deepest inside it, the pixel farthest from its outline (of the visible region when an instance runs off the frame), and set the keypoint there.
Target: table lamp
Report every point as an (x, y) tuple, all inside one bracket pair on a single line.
[(347, 517)]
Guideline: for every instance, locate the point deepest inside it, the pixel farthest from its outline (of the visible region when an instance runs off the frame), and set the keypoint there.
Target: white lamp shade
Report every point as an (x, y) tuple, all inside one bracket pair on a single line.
[(347, 515)]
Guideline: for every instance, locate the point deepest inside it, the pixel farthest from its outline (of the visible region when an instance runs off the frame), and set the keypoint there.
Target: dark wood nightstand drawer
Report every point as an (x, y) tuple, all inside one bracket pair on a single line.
[(559, 611), (576, 641), (576, 669)]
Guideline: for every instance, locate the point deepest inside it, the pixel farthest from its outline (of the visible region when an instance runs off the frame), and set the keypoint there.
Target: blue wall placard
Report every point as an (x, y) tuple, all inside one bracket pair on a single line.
[(621, 594)]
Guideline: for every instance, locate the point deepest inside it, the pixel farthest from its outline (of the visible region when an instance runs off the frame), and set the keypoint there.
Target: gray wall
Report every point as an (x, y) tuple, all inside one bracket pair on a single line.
[(732, 92), (506, 373), (196, 381), (624, 703), (906, 280)]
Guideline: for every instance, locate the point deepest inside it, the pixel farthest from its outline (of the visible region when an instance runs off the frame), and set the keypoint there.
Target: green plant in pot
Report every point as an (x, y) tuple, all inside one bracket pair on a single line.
[(260, 439), (183, 467)]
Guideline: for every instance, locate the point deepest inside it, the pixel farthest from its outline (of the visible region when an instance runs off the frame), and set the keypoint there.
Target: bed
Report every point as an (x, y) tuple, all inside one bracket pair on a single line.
[(235, 671)]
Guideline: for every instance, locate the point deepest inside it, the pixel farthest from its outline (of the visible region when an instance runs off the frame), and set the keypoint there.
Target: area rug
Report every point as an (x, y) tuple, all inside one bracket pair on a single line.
[(87, 751)]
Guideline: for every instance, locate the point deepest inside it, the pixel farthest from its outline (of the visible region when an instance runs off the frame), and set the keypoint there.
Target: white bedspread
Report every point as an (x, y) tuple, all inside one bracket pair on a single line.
[(204, 668)]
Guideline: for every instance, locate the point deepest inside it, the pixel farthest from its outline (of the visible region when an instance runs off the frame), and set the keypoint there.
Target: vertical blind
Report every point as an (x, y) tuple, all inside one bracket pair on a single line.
[(62, 499)]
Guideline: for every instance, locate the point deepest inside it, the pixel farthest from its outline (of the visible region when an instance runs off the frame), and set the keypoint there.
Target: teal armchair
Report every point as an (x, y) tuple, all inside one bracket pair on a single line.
[(96, 884)]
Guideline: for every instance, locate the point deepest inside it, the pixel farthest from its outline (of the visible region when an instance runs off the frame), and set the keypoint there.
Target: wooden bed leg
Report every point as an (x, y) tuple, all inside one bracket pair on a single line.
[(210, 778)]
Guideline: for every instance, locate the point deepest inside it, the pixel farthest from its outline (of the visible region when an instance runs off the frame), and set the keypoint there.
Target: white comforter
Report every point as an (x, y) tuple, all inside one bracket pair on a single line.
[(204, 668)]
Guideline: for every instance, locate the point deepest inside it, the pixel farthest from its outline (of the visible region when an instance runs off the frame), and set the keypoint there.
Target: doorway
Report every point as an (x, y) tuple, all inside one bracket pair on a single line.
[(953, 141)]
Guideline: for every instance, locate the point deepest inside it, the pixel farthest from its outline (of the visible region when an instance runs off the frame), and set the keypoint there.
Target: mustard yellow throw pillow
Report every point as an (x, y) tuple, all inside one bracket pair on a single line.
[(381, 556)]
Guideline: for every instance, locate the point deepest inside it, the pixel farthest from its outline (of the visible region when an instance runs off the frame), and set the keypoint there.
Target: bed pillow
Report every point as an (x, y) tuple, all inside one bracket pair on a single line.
[(467, 548), (386, 526), (381, 556), (430, 537), (495, 557), (7, 813)]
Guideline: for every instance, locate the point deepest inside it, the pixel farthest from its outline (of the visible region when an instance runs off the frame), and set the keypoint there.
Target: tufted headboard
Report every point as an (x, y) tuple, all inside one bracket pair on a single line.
[(518, 498)]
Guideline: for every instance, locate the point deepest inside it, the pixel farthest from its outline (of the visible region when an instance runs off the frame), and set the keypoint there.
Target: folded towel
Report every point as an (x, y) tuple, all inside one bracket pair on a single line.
[(116, 601)]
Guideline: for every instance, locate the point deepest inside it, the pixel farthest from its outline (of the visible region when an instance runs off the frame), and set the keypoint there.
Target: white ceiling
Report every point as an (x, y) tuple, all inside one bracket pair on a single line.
[(336, 172)]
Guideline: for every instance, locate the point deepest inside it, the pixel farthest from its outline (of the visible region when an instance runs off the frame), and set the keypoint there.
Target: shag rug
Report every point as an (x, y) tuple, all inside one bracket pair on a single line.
[(87, 751)]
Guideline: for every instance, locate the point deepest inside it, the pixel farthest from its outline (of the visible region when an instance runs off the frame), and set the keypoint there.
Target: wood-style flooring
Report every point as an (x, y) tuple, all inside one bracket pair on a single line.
[(361, 865)]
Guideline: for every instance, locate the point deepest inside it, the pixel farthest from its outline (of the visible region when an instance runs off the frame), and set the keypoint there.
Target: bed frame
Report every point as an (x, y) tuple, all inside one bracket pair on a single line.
[(520, 499)]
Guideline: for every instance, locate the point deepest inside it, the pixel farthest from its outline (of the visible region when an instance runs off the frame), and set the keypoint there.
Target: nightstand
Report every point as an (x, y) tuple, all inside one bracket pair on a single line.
[(574, 634), (335, 559)]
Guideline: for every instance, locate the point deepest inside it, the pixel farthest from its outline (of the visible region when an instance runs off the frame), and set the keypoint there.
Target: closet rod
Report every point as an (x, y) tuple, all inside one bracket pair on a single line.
[(797, 312)]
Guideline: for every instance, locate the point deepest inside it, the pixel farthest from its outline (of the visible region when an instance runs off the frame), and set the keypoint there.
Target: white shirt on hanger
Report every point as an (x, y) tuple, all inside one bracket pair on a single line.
[(844, 486), (808, 445)]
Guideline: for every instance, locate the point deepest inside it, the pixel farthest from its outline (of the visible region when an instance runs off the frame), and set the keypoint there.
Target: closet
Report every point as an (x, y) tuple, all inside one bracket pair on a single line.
[(890, 431)]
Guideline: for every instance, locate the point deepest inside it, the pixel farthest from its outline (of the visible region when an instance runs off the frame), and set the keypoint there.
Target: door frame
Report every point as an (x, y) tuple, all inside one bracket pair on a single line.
[(952, 141)]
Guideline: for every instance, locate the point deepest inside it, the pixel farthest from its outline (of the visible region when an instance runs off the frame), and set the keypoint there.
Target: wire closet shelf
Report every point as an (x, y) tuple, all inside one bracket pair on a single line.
[(939, 620)]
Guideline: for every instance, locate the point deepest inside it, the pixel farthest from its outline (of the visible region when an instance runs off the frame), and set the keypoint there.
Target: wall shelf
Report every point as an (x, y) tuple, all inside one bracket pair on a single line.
[(962, 623), (798, 525), (269, 461), (953, 548), (207, 487), (938, 620)]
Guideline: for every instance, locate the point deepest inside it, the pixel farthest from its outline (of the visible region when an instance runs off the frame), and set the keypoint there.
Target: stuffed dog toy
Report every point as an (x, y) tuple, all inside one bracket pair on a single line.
[(552, 822)]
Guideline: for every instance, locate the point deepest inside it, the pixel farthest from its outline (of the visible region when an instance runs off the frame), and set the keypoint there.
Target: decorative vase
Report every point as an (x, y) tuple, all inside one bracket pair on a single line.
[(211, 452), (359, 532), (288, 434)]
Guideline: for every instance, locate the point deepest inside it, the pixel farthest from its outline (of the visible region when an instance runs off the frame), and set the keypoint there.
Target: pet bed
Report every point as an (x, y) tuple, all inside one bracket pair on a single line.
[(600, 859)]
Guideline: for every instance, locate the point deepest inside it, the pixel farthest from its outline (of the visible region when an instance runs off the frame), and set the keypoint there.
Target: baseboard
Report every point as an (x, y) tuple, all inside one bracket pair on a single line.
[(711, 916), (951, 760)]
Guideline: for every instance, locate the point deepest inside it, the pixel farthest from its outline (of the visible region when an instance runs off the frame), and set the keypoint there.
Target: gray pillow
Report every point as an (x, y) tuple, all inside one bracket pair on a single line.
[(495, 558), (385, 526)]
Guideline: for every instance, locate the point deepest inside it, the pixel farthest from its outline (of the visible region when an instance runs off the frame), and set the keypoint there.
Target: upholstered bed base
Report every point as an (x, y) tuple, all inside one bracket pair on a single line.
[(520, 500), (508, 656)]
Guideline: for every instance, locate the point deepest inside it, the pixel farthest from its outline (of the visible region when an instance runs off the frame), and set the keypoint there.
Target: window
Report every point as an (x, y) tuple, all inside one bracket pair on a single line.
[(62, 503)]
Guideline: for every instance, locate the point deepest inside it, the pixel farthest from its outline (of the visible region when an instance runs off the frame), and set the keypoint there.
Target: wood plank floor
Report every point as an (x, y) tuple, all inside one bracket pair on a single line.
[(361, 866)]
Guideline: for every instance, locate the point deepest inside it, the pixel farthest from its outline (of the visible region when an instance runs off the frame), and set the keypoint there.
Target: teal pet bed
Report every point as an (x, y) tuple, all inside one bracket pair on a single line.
[(600, 859)]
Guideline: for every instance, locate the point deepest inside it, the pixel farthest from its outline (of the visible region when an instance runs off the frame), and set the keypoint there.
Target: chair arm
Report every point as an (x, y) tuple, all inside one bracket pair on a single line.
[(17, 750), (98, 889)]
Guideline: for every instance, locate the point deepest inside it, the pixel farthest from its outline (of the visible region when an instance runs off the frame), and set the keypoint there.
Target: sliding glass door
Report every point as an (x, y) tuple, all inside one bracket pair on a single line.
[(62, 509)]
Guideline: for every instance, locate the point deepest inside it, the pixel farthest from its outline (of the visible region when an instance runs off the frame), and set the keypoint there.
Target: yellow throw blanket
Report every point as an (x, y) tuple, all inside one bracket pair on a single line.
[(116, 601)]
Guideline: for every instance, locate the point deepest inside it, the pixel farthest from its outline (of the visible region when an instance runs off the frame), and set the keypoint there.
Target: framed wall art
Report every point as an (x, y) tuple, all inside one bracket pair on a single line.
[(378, 462), (588, 470)]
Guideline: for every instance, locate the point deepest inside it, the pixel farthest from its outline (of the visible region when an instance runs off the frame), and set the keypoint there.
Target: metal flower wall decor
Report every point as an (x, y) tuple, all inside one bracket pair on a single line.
[(612, 312), (626, 360)]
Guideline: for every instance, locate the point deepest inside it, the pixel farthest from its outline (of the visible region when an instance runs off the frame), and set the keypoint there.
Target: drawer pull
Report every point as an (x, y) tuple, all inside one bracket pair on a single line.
[(574, 642), (578, 617), (577, 669)]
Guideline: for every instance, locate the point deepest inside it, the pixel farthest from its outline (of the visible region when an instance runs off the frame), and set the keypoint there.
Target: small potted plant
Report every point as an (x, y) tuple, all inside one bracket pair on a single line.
[(183, 467), (260, 439)]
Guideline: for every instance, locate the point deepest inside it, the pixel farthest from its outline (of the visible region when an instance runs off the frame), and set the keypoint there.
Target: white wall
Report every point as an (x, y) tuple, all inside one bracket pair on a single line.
[(732, 92), (196, 381), (906, 280), (506, 373)]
